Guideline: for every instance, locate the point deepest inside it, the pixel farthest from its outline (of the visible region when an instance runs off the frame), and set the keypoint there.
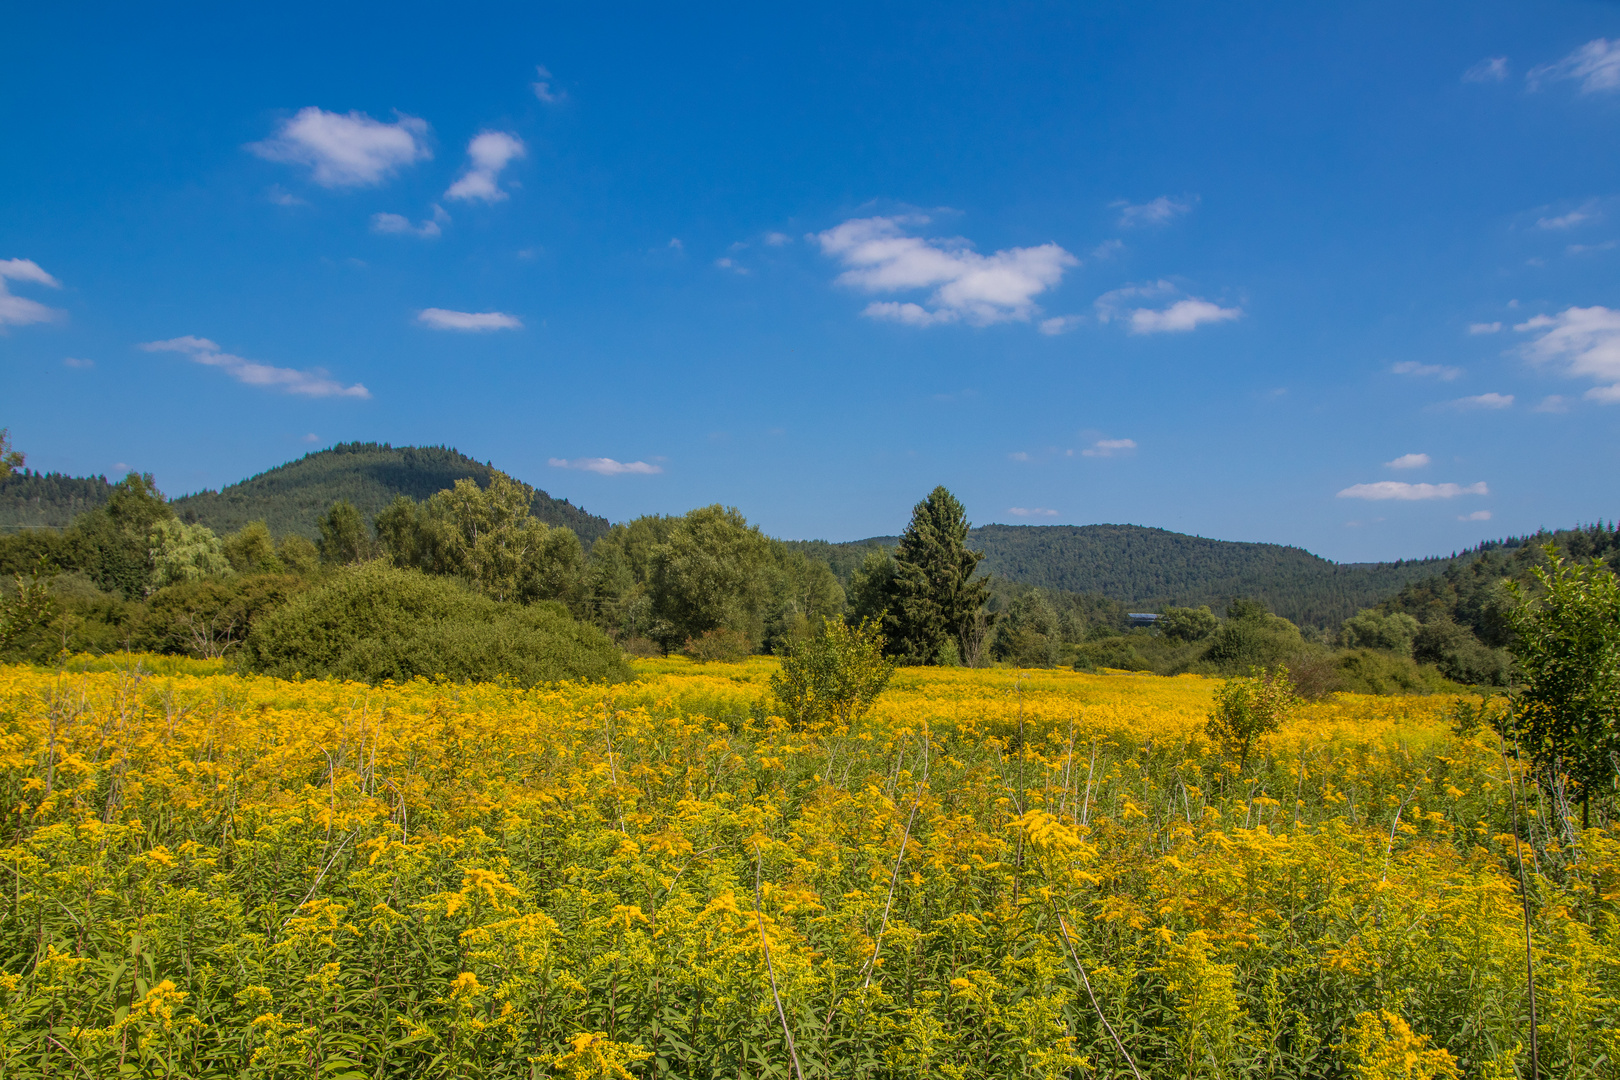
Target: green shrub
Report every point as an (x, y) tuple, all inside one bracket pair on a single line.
[(833, 677), (373, 622)]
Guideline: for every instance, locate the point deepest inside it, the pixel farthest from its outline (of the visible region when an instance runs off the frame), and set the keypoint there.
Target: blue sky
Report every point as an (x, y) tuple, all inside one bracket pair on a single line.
[(1341, 276)]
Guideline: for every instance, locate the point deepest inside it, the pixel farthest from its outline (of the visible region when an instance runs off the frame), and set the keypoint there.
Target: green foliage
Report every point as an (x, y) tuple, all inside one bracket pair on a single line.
[(345, 540), (375, 622), (1459, 654), (251, 550), (27, 612), (871, 584), (291, 498), (832, 677), (180, 553), (1248, 707), (487, 537), (1251, 637), (802, 593), (1026, 632), (933, 596), (1567, 709), (1391, 631), (298, 554), (709, 573), (209, 618), (10, 460), (718, 645), (1187, 623)]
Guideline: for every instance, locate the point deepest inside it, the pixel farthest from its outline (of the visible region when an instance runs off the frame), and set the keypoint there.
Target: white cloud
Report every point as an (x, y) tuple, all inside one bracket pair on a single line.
[(1158, 211), (1186, 314), (1396, 489), (488, 153), (544, 90), (314, 382), (1490, 69), (1060, 324), (1553, 403), (1034, 511), (1581, 249), (282, 197), (1181, 316), (977, 289), (399, 224), (1484, 401), (1108, 249), (1484, 327), (1477, 515), (730, 264), (1596, 65), (606, 466), (1581, 214), (776, 239), (1438, 371), (1018, 455), (1109, 448), (346, 150), (1584, 342), (77, 362), (1408, 461), (311, 438), (474, 321), (19, 310)]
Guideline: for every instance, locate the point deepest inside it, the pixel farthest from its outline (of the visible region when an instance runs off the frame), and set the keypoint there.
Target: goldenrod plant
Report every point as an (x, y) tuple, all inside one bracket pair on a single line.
[(215, 875)]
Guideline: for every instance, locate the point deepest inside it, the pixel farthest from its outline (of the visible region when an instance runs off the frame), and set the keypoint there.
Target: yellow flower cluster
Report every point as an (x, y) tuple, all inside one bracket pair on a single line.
[(992, 874)]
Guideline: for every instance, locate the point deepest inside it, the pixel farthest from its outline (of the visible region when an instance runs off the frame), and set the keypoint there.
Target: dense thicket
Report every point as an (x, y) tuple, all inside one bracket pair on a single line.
[(292, 498), (375, 622)]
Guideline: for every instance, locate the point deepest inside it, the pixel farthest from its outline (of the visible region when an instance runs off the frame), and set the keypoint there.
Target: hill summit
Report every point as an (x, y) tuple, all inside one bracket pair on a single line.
[(291, 498)]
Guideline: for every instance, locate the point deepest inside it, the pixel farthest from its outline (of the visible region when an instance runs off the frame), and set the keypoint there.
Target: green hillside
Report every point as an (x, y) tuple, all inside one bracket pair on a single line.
[(33, 500), (291, 498), (1154, 568)]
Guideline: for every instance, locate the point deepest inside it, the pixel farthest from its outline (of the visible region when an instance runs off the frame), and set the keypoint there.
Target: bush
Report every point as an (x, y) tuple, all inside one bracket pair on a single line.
[(1248, 708), (1253, 640), (1371, 671), (373, 622), (719, 645), (833, 677)]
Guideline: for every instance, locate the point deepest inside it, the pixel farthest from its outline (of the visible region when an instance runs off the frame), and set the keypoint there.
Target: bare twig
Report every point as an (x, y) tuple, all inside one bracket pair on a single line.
[(1086, 982), (781, 1014)]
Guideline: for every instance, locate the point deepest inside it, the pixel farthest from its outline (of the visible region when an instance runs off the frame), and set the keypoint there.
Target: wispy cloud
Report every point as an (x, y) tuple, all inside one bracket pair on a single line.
[(1595, 65), (1587, 211), (346, 150), (1033, 511), (1160, 211), (1584, 342), (969, 287), (1109, 448), (1404, 492), (1060, 324), (77, 362), (1182, 315), (1491, 69), (606, 466), (728, 263), (1408, 461), (1484, 327), (1553, 403), (1477, 515), (19, 310), (1483, 401), (777, 239), (470, 321), (487, 154), (1442, 372), (400, 225), (313, 382), (545, 88)]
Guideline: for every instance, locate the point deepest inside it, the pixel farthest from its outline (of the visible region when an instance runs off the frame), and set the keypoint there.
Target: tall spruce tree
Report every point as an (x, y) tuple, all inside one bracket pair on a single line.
[(933, 596)]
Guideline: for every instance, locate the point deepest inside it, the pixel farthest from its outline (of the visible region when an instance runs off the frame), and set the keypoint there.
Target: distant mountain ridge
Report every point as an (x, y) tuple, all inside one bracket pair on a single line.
[(31, 500), (291, 498), (1152, 568)]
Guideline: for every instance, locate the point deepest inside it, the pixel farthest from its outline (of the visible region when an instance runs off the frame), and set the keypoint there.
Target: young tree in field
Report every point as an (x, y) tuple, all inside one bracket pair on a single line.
[(933, 596), (833, 677), (1567, 709), (1247, 708)]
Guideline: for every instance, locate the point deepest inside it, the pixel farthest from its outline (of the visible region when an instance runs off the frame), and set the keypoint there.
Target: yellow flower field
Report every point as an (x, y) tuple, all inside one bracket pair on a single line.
[(994, 874)]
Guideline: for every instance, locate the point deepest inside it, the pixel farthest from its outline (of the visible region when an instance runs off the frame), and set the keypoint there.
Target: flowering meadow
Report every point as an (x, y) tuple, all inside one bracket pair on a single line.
[(992, 874)]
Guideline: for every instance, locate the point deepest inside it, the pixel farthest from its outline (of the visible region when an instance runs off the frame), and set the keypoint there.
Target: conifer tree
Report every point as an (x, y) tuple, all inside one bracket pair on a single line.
[(933, 596)]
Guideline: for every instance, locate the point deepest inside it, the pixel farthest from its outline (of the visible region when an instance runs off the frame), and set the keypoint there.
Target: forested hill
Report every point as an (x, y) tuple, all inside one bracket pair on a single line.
[(291, 498), (1155, 568), (30, 500)]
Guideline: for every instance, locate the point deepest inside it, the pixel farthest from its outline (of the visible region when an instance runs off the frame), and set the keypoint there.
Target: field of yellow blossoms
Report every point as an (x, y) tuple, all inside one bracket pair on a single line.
[(994, 874)]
